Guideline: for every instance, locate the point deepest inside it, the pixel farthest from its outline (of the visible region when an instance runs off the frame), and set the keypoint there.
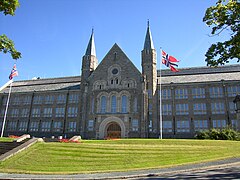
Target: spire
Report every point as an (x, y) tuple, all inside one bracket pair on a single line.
[(91, 46), (148, 44)]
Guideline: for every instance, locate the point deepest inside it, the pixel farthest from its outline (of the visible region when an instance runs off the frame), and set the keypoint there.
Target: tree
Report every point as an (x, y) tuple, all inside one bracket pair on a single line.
[(8, 7), (225, 16)]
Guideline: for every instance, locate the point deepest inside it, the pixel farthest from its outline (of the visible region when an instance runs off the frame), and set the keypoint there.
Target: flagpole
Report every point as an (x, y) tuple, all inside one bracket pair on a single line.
[(160, 97), (5, 114)]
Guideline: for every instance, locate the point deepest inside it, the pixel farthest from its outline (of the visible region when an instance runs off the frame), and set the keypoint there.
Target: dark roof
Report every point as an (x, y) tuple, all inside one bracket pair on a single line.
[(48, 84), (200, 70)]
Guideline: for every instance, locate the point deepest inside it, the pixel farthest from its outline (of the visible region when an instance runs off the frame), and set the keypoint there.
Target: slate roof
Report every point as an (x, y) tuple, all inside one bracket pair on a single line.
[(48, 84), (185, 75), (201, 74)]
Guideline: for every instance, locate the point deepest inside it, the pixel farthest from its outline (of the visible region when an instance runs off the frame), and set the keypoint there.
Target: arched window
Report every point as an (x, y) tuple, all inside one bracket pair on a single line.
[(113, 104), (124, 104), (103, 104)]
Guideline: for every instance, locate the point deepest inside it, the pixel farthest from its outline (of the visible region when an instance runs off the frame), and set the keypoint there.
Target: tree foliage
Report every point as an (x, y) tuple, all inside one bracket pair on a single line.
[(8, 7), (225, 16)]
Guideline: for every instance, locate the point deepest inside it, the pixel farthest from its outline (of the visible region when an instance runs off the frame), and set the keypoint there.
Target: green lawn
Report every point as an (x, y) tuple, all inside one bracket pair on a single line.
[(6, 139), (116, 155)]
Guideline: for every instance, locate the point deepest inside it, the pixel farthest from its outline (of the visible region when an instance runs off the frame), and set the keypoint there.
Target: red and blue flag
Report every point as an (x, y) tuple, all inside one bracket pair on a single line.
[(14, 72), (169, 61)]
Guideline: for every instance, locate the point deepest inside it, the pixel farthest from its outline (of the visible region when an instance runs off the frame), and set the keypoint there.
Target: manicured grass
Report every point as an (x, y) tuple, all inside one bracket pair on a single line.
[(6, 139), (116, 155)]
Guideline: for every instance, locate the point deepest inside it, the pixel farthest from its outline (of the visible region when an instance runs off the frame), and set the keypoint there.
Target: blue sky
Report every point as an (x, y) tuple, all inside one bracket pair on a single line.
[(52, 35)]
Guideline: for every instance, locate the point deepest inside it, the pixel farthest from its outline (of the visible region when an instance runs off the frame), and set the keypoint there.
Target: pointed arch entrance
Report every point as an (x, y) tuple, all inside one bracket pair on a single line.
[(112, 127), (113, 130)]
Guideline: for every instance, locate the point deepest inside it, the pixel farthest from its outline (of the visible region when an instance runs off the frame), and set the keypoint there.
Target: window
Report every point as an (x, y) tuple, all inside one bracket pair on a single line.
[(181, 94), (92, 108), (150, 106), (26, 100), (57, 126), (219, 124), (182, 109), (232, 108), (72, 126), (124, 104), (49, 99), (34, 126), (15, 100), (46, 126), (149, 94), (167, 126), (1, 123), (232, 91), (234, 124), (25, 112), (61, 99), (199, 108), (73, 98), (166, 109), (135, 125), (166, 93), (90, 125), (183, 126), (36, 112), (198, 93), (5, 100), (150, 124), (72, 111), (22, 126), (59, 112), (114, 104), (2, 112), (14, 112), (200, 125), (103, 104), (135, 109), (12, 126), (37, 99), (47, 112), (216, 92), (217, 108)]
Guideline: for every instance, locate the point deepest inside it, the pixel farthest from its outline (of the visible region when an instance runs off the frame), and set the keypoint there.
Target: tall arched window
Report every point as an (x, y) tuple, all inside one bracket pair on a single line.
[(114, 104), (124, 104), (103, 104)]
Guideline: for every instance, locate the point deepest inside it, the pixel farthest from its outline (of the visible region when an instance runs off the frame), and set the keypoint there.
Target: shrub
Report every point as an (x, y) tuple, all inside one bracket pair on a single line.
[(217, 134), (202, 135)]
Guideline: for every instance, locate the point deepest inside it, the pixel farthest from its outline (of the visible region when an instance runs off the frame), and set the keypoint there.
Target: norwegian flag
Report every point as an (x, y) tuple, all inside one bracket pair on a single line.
[(14, 72), (169, 61)]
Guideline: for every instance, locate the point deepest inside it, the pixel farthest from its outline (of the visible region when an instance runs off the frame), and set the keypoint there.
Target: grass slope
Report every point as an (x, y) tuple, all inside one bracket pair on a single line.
[(116, 155), (5, 139)]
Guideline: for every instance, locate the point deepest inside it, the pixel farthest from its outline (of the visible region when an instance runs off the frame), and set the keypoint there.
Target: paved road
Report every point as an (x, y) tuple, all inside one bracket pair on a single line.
[(223, 169), (222, 173)]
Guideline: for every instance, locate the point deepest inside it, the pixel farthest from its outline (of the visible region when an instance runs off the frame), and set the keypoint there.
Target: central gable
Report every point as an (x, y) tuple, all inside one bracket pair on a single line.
[(114, 61)]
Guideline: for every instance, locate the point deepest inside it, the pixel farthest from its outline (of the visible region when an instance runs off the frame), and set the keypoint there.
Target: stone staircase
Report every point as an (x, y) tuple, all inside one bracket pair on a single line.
[(8, 149)]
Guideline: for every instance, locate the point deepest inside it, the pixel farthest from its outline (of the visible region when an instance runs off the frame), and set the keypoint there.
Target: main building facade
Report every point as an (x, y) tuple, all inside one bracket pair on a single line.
[(114, 99)]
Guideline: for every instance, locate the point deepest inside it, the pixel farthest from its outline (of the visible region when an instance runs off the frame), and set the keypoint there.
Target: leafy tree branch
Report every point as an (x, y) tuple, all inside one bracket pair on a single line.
[(225, 16)]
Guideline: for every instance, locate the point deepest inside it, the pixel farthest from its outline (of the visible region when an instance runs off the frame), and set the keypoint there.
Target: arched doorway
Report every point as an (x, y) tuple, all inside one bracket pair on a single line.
[(113, 130)]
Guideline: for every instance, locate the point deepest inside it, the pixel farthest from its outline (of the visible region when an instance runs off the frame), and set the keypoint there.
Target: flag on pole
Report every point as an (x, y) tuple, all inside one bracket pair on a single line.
[(169, 61), (14, 72)]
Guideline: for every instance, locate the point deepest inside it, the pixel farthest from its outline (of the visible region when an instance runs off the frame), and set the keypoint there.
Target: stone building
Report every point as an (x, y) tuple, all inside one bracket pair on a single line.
[(114, 99)]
